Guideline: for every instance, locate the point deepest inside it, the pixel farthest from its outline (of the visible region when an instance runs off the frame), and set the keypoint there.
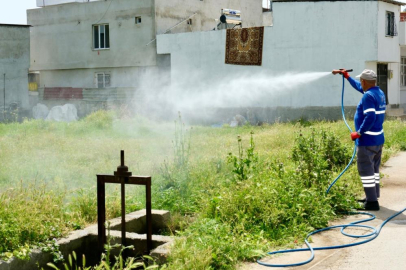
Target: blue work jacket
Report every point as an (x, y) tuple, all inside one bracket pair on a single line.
[(370, 115)]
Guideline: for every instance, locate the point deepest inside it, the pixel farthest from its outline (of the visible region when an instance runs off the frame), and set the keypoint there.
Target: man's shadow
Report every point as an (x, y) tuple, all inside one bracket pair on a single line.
[(384, 213)]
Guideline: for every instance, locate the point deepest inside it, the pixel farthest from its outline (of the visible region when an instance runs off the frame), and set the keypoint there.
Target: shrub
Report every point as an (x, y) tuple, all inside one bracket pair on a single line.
[(317, 155), (100, 119)]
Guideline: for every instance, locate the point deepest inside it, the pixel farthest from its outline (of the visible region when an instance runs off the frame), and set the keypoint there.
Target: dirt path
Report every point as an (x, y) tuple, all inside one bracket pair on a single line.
[(387, 251)]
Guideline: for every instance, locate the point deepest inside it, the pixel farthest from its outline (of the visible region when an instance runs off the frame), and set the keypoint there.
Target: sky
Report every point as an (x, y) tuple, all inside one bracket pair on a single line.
[(15, 11)]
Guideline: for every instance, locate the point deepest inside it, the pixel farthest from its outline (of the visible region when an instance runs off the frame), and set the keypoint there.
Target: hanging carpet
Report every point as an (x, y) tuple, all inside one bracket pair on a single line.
[(244, 46)]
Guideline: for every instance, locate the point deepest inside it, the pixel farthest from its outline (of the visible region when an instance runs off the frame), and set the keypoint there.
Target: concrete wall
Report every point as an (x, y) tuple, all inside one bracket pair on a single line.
[(402, 94), (62, 35), (394, 83), (297, 42), (85, 77), (388, 49), (267, 18), (134, 86), (402, 33), (14, 63), (62, 40), (388, 46), (42, 3), (402, 42)]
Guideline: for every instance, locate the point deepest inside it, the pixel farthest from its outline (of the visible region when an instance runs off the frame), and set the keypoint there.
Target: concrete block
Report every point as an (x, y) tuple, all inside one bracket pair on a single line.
[(160, 254), (139, 241), (136, 221), (37, 257), (85, 241)]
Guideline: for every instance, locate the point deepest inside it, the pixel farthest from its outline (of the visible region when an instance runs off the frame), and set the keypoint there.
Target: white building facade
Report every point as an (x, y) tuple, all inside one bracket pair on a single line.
[(402, 41), (306, 36)]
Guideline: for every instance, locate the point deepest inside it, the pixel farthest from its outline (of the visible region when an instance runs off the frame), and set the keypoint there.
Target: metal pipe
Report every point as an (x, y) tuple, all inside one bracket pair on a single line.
[(4, 108), (149, 215), (123, 229), (169, 29), (101, 213)]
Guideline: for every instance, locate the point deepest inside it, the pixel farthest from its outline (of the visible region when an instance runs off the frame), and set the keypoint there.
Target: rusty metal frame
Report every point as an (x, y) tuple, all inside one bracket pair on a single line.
[(123, 177)]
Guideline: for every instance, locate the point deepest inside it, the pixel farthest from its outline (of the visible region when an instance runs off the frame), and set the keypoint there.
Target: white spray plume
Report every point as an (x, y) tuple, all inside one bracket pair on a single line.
[(240, 90)]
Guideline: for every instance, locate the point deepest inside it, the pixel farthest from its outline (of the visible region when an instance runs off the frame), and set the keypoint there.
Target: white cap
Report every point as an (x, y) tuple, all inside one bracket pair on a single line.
[(368, 75)]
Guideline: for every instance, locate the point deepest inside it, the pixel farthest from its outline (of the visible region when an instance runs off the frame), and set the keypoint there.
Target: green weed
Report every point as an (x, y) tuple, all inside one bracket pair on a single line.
[(316, 156), (100, 119), (243, 166), (28, 216)]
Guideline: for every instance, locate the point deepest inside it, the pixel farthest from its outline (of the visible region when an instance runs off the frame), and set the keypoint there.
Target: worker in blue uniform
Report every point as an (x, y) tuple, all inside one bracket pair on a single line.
[(368, 120)]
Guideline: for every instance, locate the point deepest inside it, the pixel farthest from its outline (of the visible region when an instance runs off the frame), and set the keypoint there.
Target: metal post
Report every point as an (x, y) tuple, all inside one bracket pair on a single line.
[(149, 215), (101, 213), (4, 108), (122, 176), (123, 230)]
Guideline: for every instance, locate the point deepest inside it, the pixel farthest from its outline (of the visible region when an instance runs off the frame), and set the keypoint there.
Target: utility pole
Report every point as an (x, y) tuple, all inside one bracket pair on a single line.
[(4, 108)]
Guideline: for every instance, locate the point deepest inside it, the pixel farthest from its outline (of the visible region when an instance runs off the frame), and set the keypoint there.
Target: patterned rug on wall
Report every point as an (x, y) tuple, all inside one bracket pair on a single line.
[(244, 46)]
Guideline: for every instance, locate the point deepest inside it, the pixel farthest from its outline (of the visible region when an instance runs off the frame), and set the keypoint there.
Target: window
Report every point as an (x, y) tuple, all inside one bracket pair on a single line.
[(101, 36), (390, 24), (137, 20), (403, 72), (102, 80), (189, 22), (33, 81)]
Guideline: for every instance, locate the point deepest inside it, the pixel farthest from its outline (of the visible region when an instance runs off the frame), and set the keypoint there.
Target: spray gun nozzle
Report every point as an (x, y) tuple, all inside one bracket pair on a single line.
[(341, 71)]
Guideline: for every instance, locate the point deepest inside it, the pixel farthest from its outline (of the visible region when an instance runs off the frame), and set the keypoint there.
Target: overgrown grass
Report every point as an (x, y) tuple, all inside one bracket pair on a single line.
[(29, 216), (226, 208)]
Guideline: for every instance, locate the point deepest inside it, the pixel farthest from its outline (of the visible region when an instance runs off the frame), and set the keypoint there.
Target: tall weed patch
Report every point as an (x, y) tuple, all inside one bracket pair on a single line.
[(276, 203), (317, 155), (175, 190), (245, 162), (28, 216)]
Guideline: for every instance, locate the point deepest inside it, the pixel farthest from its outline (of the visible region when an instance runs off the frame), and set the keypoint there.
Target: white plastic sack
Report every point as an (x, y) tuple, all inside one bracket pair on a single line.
[(65, 113), (40, 111)]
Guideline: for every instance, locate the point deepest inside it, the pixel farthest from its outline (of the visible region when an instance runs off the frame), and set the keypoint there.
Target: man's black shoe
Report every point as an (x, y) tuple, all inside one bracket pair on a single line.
[(371, 206)]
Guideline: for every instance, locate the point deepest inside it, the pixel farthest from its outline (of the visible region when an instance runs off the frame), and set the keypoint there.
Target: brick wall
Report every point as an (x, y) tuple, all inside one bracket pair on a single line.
[(63, 93), (403, 16)]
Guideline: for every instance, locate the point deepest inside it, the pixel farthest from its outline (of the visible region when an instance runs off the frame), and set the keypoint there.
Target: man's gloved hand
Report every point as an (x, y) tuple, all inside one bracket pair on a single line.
[(355, 135), (341, 71)]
